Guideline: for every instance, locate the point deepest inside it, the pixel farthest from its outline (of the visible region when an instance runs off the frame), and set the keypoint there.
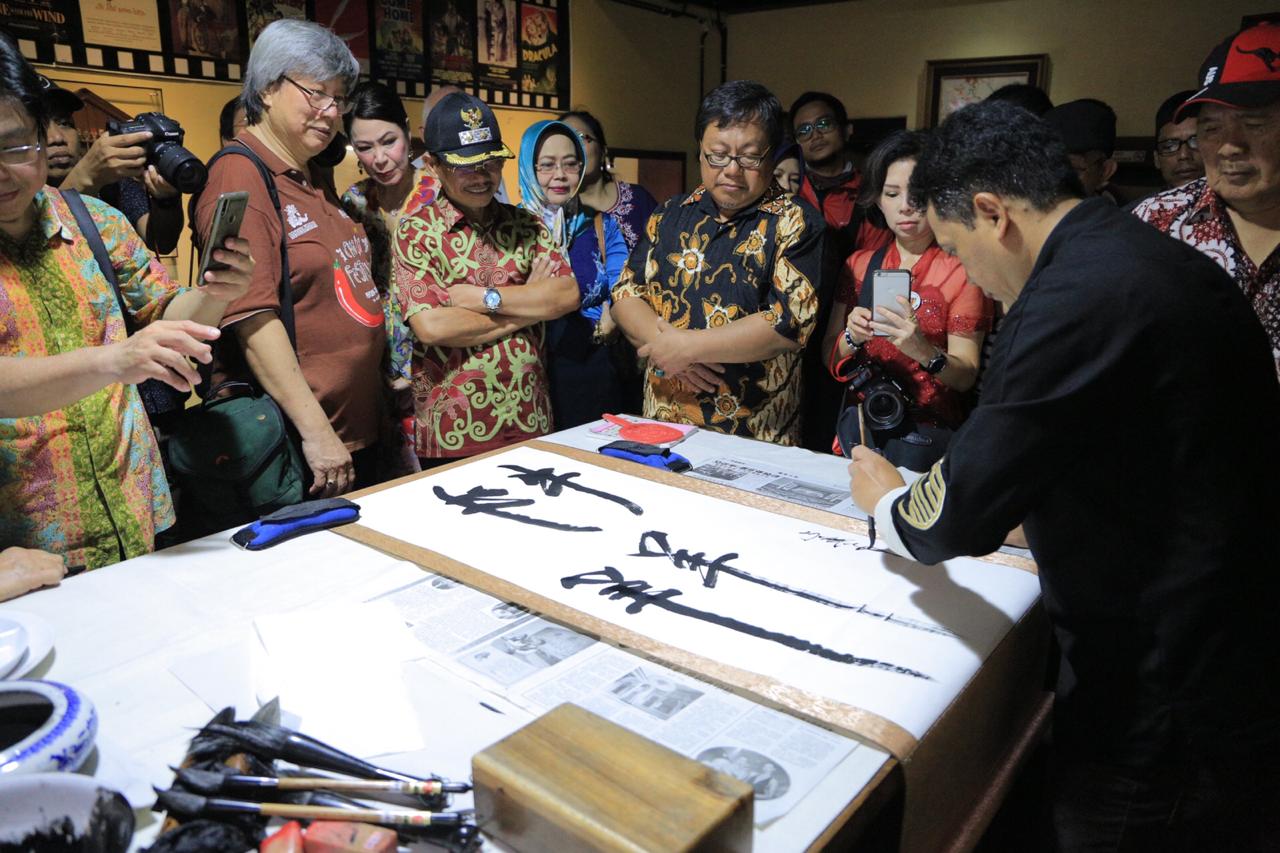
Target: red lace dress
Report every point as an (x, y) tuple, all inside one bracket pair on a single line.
[(945, 302)]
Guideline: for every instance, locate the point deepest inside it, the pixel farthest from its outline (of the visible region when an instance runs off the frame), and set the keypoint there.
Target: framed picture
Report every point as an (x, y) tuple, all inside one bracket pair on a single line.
[(955, 83)]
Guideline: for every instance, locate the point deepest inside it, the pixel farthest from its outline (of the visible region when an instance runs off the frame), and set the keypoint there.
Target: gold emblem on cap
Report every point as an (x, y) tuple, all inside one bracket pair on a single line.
[(472, 117)]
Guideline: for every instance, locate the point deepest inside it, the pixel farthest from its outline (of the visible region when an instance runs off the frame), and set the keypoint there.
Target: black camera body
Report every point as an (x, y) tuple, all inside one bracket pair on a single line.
[(175, 163), (884, 402)]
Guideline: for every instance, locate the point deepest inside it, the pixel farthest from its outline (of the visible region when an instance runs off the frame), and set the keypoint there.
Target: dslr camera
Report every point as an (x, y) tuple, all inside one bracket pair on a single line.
[(175, 163), (884, 401)]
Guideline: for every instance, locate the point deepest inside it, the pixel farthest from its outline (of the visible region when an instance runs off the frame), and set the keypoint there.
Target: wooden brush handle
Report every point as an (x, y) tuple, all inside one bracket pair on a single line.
[(361, 815), (305, 783)]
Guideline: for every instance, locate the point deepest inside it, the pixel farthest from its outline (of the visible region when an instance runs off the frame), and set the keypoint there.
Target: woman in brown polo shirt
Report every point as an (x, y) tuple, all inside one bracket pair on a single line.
[(294, 96)]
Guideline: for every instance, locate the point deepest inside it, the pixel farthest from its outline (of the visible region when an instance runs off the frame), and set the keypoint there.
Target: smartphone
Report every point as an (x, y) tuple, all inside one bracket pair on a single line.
[(886, 287), (227, 217)]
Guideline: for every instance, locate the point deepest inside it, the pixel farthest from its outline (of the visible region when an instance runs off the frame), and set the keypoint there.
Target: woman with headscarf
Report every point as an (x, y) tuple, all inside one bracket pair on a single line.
[(592, 369)]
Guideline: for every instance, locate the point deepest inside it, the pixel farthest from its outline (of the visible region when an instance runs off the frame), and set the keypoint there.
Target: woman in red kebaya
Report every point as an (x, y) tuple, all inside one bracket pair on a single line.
[(930, 346)]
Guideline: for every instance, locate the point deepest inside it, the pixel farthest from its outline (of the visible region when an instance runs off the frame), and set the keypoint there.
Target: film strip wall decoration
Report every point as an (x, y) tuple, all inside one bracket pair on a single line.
[(511, 53)]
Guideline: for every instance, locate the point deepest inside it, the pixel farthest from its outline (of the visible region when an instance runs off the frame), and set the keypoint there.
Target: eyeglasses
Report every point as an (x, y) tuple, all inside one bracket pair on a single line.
[(319, 101), (1169, 147), (569, 167), (822, 125), (747, 162), (492, 166), (20, 155)]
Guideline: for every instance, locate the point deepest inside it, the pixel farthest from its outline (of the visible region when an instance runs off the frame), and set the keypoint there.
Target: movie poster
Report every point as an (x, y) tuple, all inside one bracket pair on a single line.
[(350, 20), (539, 50), (398, 36), (121, 23), (204, 28), (42, 19), (497, 23), (451, 32), (263, 12)]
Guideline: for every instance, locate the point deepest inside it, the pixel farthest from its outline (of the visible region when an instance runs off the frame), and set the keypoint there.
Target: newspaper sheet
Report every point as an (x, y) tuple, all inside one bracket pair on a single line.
[(536, 665)]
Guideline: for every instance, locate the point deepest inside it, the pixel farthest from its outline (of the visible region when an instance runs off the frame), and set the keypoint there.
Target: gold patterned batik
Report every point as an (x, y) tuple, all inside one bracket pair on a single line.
[(698, 273)]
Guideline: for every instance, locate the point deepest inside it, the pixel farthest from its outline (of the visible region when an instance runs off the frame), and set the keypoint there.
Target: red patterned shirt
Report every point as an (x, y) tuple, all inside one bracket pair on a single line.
[(945, 302), (469, 400), (1197, 216)]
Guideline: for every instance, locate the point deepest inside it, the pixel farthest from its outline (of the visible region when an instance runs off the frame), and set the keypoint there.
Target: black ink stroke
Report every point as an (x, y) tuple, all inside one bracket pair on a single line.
[(495, 501), (833, 541), (710, 570), (552, 484), (616, 587)]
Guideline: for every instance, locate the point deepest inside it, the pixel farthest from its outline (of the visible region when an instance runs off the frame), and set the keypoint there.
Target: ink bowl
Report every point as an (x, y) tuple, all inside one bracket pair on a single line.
[(44, 726), (62, 813)]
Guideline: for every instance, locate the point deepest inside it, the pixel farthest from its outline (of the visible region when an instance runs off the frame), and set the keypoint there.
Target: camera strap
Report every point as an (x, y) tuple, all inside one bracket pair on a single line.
[(89, 229), (865, 297)]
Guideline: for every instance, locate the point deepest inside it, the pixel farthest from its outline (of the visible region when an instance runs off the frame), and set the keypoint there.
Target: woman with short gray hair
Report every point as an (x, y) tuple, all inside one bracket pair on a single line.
[(329, 383)]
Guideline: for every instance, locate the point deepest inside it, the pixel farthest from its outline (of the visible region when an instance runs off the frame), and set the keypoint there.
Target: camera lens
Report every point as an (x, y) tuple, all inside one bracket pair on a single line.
[(883, 408), (181, 168)]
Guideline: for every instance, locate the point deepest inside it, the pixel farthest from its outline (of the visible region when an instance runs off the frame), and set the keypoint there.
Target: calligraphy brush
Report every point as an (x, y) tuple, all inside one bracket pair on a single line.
[(211, 782), (190, 805), (871, 516), (276, 742)]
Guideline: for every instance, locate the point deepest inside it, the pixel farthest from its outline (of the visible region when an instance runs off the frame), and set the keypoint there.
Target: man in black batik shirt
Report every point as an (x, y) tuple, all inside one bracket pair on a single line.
[(1129, 422)]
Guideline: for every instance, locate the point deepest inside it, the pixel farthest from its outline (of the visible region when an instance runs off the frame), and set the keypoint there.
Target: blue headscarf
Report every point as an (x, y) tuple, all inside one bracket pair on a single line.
[(567, 222)]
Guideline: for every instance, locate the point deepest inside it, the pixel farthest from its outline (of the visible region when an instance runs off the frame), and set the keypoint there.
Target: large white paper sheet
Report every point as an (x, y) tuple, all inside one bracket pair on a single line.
[(786, 598)]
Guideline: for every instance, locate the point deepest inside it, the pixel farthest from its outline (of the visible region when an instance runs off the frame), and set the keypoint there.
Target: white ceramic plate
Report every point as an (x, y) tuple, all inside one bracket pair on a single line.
[(13, 645), (39, 642), (77, 808)]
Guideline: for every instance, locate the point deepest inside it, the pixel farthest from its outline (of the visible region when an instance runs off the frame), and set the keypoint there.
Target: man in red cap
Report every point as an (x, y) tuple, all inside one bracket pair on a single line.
[(1232, 214)]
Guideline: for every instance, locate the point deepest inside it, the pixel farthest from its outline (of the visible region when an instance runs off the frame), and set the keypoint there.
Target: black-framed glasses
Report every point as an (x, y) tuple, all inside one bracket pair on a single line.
[(549, 167), (20, 155), (493, 166), (822, 125), (319, 101), (1169, 147), (748, 162)]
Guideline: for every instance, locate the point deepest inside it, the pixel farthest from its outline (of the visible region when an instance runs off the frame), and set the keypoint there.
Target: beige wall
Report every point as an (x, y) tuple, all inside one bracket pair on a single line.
[(872, 53), (637, 71)]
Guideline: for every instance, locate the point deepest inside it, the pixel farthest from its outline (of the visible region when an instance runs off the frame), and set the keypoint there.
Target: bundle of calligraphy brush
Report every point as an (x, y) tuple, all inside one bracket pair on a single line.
[(276, 743), (228, 777)]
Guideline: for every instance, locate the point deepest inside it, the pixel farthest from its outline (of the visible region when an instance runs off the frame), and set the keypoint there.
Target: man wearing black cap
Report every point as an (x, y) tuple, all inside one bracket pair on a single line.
[(1232, 214), (111, 169), (1088, 126), (1177, 147), (475, 279)]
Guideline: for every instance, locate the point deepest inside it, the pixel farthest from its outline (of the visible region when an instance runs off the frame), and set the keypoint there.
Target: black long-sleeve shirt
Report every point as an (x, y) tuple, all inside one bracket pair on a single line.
[(1130, 420)]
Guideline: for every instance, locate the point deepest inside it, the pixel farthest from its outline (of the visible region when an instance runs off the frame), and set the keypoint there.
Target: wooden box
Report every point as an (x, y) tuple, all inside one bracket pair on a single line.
[(573, 781)]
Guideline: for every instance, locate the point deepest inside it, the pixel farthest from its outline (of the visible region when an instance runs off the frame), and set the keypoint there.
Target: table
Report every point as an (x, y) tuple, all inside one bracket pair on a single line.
[(122, 632)]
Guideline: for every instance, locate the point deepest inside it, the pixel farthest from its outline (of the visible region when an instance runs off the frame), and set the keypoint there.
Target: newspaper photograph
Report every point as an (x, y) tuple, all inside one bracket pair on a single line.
[(752, 477)]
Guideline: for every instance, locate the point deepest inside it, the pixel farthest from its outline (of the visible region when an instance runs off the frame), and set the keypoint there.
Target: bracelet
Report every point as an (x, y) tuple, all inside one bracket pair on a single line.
[(848, 339)]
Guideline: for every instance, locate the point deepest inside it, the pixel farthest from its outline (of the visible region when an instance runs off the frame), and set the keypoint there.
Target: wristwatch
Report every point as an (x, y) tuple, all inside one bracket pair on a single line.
[(936, 365), (492, 300)]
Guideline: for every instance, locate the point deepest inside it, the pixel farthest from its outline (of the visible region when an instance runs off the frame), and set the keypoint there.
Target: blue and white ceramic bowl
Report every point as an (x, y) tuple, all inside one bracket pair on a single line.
[(44, 726)]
